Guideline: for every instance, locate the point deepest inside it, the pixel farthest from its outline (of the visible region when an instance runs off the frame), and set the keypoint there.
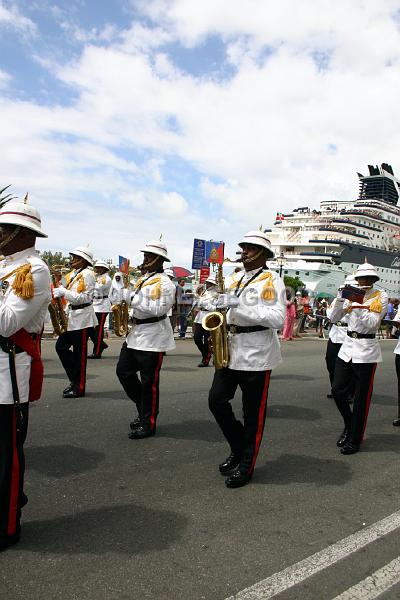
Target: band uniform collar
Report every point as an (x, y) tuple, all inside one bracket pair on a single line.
[(12, 258)]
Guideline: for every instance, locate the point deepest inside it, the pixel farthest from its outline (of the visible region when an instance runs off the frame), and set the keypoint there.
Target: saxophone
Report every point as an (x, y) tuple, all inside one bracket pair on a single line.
[(120, 314), (215, 323), (59, 319)]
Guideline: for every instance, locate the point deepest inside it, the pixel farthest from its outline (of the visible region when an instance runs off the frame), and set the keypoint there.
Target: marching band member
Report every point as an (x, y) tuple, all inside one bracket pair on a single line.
[(150, 337), (25, 281), (358, 356), (78, 292), (256, 310), (337, 335), (200, 335), (102, 307)]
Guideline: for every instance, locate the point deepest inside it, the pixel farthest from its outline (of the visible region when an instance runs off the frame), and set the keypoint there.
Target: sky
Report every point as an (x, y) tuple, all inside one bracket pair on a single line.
[(130, 119)]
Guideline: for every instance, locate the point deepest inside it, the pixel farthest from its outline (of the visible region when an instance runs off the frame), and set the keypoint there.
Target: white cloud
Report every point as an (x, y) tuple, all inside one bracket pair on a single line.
[(262, 141), (13, 19)]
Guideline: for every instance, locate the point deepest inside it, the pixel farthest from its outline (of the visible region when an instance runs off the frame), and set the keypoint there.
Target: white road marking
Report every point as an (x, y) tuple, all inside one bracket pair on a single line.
[(376, 584), (283, 580)]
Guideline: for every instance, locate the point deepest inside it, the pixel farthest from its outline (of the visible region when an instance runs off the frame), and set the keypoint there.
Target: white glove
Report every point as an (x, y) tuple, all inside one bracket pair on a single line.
[(227, 301), (59, 292)]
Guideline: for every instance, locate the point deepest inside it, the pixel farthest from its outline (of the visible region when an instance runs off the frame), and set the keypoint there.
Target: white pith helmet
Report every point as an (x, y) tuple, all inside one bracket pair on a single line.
[(156, 247), (169, 272), (211, 279), (350, 280), (366, 270), (257, 238), (23, 215), (102, 263), (84, 252)]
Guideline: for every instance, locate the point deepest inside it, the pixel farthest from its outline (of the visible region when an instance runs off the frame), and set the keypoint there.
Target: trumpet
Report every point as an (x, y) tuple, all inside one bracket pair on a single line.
[(59, 319), (120, 314), (215, 323)]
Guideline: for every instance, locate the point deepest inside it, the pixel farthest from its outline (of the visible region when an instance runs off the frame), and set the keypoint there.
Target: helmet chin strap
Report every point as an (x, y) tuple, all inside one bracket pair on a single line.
[(151, 263), (247, 261), (9, 238)]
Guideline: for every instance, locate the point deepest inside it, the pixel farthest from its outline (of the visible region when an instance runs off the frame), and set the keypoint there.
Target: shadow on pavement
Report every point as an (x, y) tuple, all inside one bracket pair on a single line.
[(384, 400), (382, 442), (294, 468), (63, 460), (180, 369), (63, 376), (203, 431), (281, 411), (129, 529), (291, 376)]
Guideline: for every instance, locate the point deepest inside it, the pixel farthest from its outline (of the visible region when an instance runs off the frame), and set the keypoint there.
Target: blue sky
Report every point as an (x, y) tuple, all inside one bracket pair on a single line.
[(132, 118)]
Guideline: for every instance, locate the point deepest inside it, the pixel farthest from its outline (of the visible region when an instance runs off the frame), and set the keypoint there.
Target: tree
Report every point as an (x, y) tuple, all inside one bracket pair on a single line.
[(293, 283), (54, 258)]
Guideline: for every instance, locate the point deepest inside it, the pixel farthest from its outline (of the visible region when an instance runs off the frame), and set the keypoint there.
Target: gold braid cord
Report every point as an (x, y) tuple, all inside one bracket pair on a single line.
[(155, 294), (81, 282), (23, 281), (268, 290)]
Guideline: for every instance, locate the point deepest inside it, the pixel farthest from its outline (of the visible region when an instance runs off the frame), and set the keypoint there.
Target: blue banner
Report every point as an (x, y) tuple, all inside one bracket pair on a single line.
[(199, 254)]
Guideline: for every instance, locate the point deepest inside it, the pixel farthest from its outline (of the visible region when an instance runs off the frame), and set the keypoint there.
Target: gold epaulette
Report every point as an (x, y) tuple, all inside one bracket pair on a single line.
[(81, 283), (155, 294), (268, 291), (23, 281), (376, 304)]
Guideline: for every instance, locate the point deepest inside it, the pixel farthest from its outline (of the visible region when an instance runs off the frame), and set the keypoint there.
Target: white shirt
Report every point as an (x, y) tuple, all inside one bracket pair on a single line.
[(397, 318), (154, 299), (101, 301), (17, 313), (258, 350), (362, 321), (80, 318)]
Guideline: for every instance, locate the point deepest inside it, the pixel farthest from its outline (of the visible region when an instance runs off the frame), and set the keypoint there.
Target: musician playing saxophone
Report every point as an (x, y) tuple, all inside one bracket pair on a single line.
[(256, 303), (150, 337)]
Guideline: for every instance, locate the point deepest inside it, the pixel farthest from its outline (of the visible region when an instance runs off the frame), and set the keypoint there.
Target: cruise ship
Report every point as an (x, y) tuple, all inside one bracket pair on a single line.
[(322, 246)]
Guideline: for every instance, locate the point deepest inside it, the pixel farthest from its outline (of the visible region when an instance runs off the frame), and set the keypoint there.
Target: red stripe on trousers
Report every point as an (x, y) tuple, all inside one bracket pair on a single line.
[(14, 488), (260, 427), (154, 392), (100, 333), (82, 375), (368, 401)]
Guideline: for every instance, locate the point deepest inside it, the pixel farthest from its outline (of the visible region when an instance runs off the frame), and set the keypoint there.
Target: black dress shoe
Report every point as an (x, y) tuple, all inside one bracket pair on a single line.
[(135, 423), (94, 356), (343, 438), (68, 388), (350, 448), (141, 432), (329, 395), (73, 393), (203, 364), (237, 479), (229, 464), (24, 500), (396, 423)]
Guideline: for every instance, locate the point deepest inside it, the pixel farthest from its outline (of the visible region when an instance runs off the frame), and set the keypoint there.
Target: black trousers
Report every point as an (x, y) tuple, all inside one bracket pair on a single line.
[(74, 361), (363, 376), (201, 336), (397, 364), (332, 350), (244, 439), (96, 334), (144, 392), (13, 430)]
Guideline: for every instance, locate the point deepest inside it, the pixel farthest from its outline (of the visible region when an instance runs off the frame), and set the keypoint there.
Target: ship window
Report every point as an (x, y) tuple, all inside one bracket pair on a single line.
[(297, 272)]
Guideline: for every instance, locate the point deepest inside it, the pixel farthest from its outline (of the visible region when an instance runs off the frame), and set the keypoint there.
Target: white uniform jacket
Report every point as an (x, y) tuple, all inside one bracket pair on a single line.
[(262, 302), (101, 300), (154, 299), (338, 331), (364, 321), (80, 318), (17, 313)]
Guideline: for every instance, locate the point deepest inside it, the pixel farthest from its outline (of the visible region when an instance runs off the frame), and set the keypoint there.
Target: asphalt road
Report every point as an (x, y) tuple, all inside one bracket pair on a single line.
[(111, 519)]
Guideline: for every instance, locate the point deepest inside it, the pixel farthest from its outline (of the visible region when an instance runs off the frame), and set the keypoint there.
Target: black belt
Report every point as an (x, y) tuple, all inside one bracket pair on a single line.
[(339, 324), (361, 336), (7, 345), (77, 306), (151, 320), (100, 297), (239, 329)]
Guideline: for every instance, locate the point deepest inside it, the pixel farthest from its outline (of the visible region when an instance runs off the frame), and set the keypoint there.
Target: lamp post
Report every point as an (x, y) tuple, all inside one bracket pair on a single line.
[(280, 260)]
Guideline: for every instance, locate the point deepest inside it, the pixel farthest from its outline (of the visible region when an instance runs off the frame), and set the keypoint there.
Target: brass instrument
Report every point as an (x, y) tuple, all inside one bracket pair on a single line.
[(120, 314), (215, 323), (59, 319)]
